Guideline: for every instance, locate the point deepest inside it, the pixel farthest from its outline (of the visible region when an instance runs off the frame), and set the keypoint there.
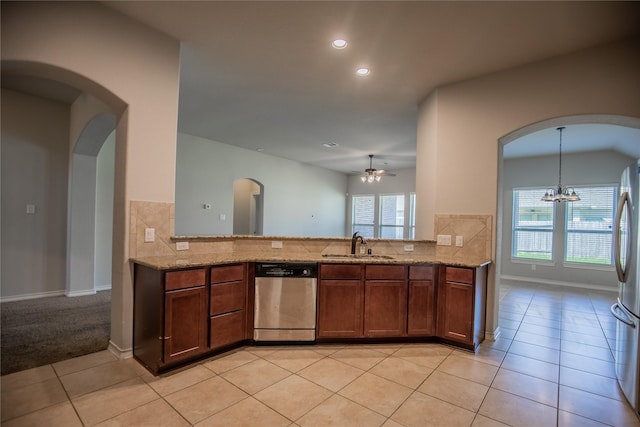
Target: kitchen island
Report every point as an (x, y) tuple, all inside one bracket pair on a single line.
[(194, 306)]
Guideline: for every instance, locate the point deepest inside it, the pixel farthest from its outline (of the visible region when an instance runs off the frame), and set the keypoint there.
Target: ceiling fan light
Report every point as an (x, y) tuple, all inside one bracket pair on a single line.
[(370, 178), (363, 178), (378, 177)]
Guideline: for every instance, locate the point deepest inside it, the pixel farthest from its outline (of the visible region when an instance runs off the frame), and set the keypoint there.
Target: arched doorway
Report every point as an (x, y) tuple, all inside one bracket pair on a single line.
[(247, 207), (503, 241)]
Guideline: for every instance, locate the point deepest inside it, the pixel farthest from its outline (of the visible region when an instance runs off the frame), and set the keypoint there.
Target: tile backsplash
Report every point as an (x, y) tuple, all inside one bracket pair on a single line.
[(476, 232), (157, 215)]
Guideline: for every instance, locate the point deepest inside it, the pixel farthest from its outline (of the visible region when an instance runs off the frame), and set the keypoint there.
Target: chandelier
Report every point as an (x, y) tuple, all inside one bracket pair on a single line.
[(562, 193)]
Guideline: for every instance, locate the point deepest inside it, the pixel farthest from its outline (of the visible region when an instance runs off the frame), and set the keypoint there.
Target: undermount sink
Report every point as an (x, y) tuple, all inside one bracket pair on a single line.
[(357, 256)]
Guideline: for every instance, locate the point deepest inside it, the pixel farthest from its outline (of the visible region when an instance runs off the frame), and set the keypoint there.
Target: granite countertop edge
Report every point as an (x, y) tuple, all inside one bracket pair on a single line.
[(204, 260)]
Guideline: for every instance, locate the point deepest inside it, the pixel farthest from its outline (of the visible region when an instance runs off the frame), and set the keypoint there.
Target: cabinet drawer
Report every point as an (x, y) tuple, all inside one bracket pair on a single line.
[(226, 329), (386, 272), (184, 279), (227, 273), (226, 297), (460, 275), (421, 272), (340, 271)]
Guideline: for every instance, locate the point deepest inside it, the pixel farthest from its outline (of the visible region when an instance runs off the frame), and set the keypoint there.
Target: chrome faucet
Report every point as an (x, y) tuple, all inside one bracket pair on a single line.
[(354, 240)]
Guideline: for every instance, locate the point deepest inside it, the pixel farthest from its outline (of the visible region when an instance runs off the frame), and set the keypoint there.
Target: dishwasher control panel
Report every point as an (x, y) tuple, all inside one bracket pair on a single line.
[(287, 269)]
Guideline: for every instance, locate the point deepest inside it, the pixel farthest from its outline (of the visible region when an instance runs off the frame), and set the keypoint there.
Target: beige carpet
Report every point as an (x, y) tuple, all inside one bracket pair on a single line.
[(41, 331)]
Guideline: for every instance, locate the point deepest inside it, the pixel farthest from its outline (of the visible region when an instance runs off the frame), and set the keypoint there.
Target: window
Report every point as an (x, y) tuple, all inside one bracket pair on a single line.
[(363, 214), (412, 216), (532, 225), (383, 215), (391, 216), (589, 233)]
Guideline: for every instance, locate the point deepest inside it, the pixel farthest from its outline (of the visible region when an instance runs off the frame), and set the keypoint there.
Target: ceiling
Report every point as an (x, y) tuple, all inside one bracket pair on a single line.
[(263, 75)]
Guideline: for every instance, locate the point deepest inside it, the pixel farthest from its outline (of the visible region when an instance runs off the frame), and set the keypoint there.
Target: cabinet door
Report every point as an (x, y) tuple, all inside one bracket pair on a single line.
[(455, 318), (385, 308), (185, 323), (340, 308), (421, 308)]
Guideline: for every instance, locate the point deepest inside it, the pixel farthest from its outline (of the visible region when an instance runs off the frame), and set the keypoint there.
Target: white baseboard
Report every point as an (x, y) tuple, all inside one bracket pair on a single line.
[(31, 296), (536, 280), (80, 293), (120, 353), (492, 336), (103, 288)]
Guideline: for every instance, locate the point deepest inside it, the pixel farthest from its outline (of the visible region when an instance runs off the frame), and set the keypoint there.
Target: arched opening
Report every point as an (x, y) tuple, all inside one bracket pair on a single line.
[(247, 206), (90, 208), (608, 162), (74, 199)]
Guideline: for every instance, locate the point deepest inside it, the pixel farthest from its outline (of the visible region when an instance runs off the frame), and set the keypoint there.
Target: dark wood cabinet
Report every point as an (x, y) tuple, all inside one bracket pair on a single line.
[(228, 305), (385, 301), (170, 315), (340, 301), (184, 314), (421, 307), (462, 305), (185, 325)]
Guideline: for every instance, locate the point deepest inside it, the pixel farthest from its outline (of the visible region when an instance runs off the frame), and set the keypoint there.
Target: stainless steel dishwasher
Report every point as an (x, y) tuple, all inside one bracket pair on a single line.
[(285, 302)]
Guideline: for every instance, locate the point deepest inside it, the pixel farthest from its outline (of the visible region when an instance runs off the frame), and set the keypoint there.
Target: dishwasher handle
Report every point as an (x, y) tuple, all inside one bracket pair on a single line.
[(626, 320)]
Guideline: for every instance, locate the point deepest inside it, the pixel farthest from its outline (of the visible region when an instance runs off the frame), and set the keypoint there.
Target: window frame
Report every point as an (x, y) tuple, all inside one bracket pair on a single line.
[(515, 209), (594, 265), (408, 227), (381, 226)]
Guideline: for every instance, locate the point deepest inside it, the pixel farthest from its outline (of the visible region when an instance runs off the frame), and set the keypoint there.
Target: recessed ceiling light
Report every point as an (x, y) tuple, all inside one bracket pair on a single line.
[(330, 144), (259, 150), (362, 71), (339, 44)]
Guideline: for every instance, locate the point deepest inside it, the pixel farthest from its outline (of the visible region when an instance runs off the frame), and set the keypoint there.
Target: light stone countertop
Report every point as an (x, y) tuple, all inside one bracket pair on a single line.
[(204, 260)]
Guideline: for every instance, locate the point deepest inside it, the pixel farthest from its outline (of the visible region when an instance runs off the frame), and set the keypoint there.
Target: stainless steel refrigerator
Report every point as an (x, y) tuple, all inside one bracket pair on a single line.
[(627, 309)]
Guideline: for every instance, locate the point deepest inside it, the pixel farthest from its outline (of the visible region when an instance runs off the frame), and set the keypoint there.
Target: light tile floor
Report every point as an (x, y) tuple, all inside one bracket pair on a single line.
[(551, 367)]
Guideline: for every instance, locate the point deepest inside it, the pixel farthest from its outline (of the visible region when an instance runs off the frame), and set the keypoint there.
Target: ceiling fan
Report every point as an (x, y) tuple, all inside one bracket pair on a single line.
[(374, 175)]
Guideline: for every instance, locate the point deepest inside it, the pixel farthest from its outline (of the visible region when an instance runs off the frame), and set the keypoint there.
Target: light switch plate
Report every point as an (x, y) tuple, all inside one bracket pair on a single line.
[(182, 246), (276, 245), (31, 209), (408, 248), (459, 241), (149, 235)]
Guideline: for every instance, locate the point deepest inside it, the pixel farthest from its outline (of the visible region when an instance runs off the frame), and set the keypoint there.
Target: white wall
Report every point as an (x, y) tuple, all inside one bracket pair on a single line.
[(593, 168), (299, 199), (35, 135)]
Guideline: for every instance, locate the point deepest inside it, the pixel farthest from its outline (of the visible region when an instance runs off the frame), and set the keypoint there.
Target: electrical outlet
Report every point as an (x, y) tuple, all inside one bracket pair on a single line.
[(182, 246), (459, 241), (149, 235), (276, 245), (408, 248), (444, 240), (31, 209), (222, 217)]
